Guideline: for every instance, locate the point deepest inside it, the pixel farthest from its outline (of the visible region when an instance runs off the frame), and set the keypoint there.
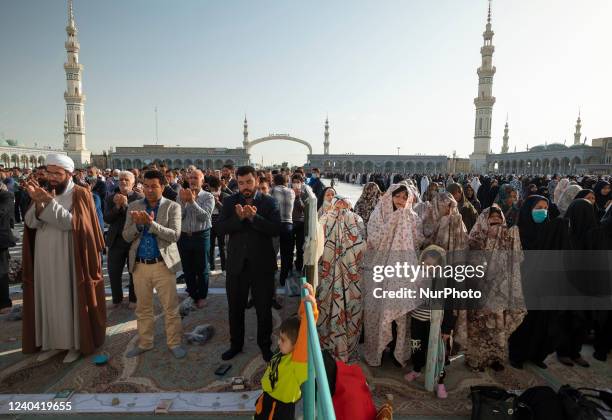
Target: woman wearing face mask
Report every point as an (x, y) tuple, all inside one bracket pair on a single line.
[(394, 236), (484, 332), (538, 334), (339, 292), (328, 195)]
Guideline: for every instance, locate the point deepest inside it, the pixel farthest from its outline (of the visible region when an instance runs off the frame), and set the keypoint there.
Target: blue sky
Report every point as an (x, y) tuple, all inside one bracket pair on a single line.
[(388, 73)]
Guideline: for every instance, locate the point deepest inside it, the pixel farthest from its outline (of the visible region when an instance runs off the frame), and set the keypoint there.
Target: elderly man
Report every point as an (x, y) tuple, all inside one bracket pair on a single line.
[(115, 211), (194, 244), (63, 289), (153, 225)]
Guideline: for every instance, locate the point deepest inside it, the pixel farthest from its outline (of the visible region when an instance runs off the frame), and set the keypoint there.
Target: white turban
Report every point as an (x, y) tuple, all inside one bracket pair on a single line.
[(62, 161)]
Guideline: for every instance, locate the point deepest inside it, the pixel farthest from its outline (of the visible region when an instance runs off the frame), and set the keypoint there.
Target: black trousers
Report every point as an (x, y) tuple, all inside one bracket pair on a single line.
[(419, 332), (573, 334), (5, 298), (268, 408), (220, 239), (117, 260), (603, 331), (286, 251), (194, 251), (261, 286), (298, 243)]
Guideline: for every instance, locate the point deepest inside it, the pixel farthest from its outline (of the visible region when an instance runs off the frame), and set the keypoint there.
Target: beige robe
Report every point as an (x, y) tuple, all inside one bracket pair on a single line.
[(55, 292)]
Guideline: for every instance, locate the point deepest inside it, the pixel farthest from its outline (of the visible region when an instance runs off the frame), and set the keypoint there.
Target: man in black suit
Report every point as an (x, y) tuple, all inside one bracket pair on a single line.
[(251, 220), (118, 249)]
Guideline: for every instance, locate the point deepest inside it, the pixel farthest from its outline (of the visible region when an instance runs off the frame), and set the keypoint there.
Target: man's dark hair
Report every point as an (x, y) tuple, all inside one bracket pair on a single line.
[(214, 182), (245, 170), (280, 179), (316, 170), (297, 177), (155, 174), (275, 171), (263, 180), (291, 328), (230, 166)]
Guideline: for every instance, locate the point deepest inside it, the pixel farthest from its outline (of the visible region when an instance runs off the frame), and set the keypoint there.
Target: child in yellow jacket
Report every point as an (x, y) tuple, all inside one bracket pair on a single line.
[(288, 369)]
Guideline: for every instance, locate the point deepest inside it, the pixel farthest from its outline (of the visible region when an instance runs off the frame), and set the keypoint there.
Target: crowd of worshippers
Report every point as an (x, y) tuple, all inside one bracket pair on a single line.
[(431, 220), (162, 221)]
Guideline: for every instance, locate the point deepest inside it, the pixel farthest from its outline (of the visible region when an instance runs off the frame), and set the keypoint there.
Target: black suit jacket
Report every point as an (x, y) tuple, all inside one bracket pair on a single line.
[(116, 220), (250, 240)]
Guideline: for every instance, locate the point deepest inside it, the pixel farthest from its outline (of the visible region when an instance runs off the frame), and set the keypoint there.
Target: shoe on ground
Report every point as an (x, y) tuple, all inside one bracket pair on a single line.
[(72, 356), (46, 355), (411, 376), (179, 352), (565, 360), (201, 303), (276, 305), (441, 391), (230, 354), (581, 362), (137, 351)]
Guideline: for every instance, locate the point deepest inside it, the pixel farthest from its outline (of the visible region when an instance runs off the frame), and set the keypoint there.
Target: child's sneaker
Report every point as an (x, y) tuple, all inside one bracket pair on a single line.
[(441, 391), (411, 376)]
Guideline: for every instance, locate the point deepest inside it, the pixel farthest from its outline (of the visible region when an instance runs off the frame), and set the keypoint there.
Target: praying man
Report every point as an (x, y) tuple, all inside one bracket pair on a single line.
[(64, 305)]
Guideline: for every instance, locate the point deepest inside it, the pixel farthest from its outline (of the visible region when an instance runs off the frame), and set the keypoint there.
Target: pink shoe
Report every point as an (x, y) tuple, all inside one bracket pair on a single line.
[(441, 391), (411, 376)]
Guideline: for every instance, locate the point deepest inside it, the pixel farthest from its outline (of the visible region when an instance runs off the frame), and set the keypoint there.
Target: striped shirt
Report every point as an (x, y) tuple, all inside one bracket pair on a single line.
[(197, 215), (285, 198)]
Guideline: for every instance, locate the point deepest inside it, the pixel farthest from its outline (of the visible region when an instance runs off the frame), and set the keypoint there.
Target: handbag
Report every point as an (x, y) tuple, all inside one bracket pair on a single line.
[(492, 403)]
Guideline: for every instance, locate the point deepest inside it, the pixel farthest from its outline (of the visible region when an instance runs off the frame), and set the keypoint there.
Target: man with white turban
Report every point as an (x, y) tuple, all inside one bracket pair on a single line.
[(64, 304)]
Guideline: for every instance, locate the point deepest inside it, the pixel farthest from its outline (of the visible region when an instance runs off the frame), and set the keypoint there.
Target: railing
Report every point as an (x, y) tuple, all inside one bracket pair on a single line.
[(316, 370), (316, 404)]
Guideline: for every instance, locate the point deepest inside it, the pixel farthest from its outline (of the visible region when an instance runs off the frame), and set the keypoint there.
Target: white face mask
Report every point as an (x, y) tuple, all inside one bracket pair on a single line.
[(314, 176)]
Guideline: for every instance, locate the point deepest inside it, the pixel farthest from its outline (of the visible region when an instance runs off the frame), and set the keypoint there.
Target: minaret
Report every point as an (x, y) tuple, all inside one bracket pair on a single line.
[(245, 134), (326, 142), (578, 127), (506, 138), (74, 122), (485, 100)]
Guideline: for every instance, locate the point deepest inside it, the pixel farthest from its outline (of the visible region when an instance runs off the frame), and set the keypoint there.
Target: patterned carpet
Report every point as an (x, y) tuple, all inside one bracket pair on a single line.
[(157, 370)]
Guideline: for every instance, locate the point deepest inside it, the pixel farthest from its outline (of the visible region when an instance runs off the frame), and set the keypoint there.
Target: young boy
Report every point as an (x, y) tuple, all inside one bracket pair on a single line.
[(288, 369)]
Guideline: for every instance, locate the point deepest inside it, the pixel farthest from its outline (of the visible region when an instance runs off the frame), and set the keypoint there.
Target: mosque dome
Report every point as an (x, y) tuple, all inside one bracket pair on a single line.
[(556, 146), (538, 148), (12, 142), (3, 143)]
